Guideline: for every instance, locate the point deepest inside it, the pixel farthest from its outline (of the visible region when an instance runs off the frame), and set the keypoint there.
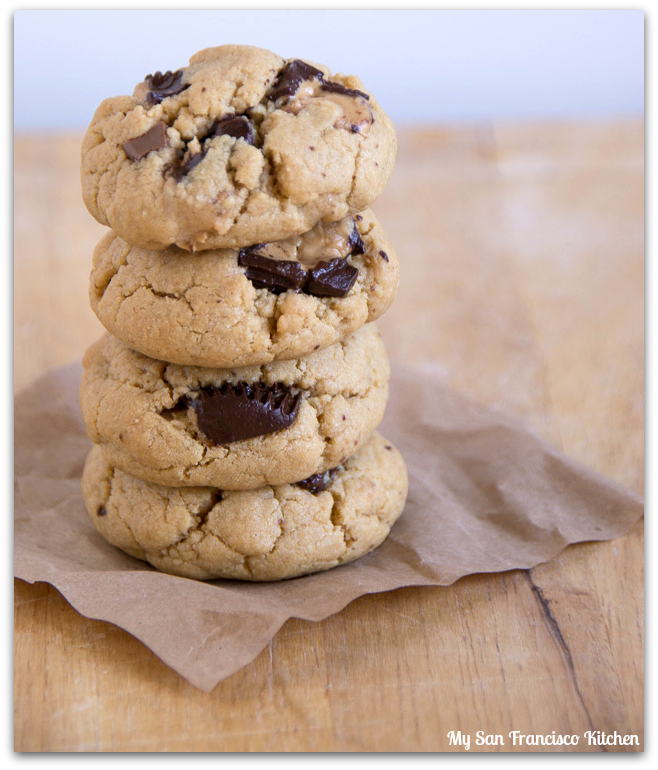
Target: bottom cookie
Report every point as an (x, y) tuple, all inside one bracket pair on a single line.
[(271, 533)]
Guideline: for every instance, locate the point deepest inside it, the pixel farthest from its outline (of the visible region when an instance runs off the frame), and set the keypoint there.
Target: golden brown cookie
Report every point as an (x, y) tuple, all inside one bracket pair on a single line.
[(222, 308), (237, 428), (269, 533), (239, 147)]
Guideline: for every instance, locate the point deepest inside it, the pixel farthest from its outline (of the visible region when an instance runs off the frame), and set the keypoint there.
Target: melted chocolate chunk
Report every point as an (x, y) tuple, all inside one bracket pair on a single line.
[(334, 278), (162, 85), (238, 412), (319, 481), (237, 126), (294, 73), (277, 275), (290, 77), (154, 139), (337, 88)]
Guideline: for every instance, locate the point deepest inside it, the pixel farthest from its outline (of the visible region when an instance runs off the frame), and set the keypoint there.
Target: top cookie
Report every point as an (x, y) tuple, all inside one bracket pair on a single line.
[(241, 146)]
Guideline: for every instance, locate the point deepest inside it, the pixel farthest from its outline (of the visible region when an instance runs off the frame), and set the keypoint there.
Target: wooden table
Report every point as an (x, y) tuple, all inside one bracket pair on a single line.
[(522, 258)]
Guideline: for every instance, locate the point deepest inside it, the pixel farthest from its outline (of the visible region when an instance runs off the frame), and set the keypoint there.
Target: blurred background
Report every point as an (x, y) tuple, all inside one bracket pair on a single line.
[(441, 66)]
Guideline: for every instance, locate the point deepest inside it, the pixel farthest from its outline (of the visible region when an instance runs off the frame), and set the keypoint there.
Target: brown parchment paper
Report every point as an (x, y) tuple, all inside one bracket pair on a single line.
[(485, 495)]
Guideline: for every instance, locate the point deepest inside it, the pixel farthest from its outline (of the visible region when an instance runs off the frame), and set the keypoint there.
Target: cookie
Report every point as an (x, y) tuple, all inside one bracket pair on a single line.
[(239, 147), (223, 308), (238, 428), (271, 533)]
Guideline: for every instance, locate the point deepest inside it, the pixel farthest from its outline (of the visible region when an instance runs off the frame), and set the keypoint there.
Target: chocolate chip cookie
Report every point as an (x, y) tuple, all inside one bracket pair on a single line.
[(224, 307), (237, 428), (262, 534), (239, 147)]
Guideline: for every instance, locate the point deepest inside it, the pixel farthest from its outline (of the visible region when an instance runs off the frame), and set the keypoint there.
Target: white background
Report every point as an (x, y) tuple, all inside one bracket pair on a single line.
[(423, 65)]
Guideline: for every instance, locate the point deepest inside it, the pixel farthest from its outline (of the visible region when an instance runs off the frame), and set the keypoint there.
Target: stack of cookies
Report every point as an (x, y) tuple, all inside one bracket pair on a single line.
[(235, 399)]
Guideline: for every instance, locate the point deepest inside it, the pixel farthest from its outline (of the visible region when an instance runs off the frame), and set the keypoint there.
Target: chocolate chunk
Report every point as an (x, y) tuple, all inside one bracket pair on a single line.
[(356, 242), (237, 126), (238, 412), (337, 88), (163, 85), (318, 482), (154, 139), (383, 255), (333, 278), (290, 77), (184, 168), (277, 275), (101, 511)]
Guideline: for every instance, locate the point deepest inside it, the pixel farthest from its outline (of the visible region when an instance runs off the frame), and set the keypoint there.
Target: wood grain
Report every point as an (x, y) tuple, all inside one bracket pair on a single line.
[(522, 259)]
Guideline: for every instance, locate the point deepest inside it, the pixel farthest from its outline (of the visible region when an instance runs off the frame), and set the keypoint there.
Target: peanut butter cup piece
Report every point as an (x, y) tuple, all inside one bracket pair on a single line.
[(238, 412), (164, 84)]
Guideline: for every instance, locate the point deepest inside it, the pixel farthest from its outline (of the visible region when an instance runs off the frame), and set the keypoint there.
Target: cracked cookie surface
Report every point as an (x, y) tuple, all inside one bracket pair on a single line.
[(145, 413), (224, 154), (271, 533), (203, 310)]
